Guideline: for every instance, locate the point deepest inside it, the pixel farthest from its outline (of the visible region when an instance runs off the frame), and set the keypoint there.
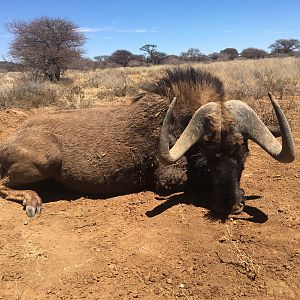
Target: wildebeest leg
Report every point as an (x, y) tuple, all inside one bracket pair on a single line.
[(30, 199), (34, 158)]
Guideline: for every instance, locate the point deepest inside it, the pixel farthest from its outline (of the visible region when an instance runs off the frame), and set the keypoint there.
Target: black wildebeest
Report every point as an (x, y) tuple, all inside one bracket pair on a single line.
[(123, 150)]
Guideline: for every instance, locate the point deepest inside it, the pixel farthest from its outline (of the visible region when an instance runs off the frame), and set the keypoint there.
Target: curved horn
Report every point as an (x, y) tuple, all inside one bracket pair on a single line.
[(192, 133), (253, 128), (275, 130)]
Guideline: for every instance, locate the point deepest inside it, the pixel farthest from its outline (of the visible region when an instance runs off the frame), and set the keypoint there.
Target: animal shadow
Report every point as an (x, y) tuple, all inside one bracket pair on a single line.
[(51, 191), (203, 199)]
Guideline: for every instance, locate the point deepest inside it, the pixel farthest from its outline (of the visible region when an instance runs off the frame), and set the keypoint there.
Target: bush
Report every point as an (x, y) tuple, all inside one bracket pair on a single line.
[(27, 94), (73, 97), (111, 83)]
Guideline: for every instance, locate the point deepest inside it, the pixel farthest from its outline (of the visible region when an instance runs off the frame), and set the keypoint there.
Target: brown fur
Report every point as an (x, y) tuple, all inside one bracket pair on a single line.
[(114, 151), (221, 131), (87, 150)]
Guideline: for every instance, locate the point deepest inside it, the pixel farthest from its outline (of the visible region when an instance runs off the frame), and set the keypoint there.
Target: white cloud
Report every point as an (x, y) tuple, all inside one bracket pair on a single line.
[(139, 30), (95, 29), (112, 29)]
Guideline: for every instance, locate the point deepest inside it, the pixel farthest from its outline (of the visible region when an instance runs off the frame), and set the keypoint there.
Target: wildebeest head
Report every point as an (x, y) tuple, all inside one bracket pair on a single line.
[(215, 140)]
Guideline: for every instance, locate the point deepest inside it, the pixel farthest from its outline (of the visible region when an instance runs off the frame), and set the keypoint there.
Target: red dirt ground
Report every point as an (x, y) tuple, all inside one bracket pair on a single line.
[(139, 247)]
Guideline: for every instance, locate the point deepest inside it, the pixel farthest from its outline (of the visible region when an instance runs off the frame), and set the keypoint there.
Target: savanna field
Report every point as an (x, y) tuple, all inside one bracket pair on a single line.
[(141, 246)]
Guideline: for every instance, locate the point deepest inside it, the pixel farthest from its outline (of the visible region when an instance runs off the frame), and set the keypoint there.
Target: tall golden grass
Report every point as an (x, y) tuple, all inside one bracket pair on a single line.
[(247, 80)]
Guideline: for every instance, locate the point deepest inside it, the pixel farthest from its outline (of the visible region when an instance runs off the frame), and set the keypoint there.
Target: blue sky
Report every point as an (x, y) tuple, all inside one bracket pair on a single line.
[(174, 26)]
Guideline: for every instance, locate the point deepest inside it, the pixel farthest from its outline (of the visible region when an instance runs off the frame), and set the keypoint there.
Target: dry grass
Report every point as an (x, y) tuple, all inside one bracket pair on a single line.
[(252, 79), (72, 96), (22, 92), (247, 80), (27, 94), (241, 259), (263, 108)]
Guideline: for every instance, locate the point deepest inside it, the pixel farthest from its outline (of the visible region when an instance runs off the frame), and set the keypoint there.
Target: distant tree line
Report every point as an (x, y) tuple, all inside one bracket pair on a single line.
[(49, 46), (151, 56)]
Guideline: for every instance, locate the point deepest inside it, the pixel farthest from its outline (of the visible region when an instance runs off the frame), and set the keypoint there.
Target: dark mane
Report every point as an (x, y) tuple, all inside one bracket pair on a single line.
[(188, 83), (192, 87)]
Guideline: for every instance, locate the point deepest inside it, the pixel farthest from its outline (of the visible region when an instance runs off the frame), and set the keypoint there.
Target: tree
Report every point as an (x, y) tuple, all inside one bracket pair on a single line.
[(151, 54), (229, 53), (284, 46), (253, 53), (83, 63), (149, 50), (214, 56), (171, 60), (137, 60), (102, 60), (192, 55), (157, 57), (46, 45), (121, 57)]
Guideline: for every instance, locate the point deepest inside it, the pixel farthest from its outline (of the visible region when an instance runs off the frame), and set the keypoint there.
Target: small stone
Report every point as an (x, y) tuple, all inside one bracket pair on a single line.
[(288, 267), (222, 239), (156, 291), (191, 270), (26, 223), (181, 285), (135, 294), (155, 269)]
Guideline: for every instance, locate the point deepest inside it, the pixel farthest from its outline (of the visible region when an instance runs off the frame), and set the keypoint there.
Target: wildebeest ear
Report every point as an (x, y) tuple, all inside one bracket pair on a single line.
[(275, 130)]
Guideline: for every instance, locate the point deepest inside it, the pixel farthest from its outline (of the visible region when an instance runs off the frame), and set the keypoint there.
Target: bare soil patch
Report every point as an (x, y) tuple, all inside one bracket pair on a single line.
[(140, 246)]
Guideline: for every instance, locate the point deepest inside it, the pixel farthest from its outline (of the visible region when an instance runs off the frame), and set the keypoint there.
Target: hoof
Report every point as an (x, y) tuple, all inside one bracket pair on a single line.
[(32, 211), (32, 203)]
